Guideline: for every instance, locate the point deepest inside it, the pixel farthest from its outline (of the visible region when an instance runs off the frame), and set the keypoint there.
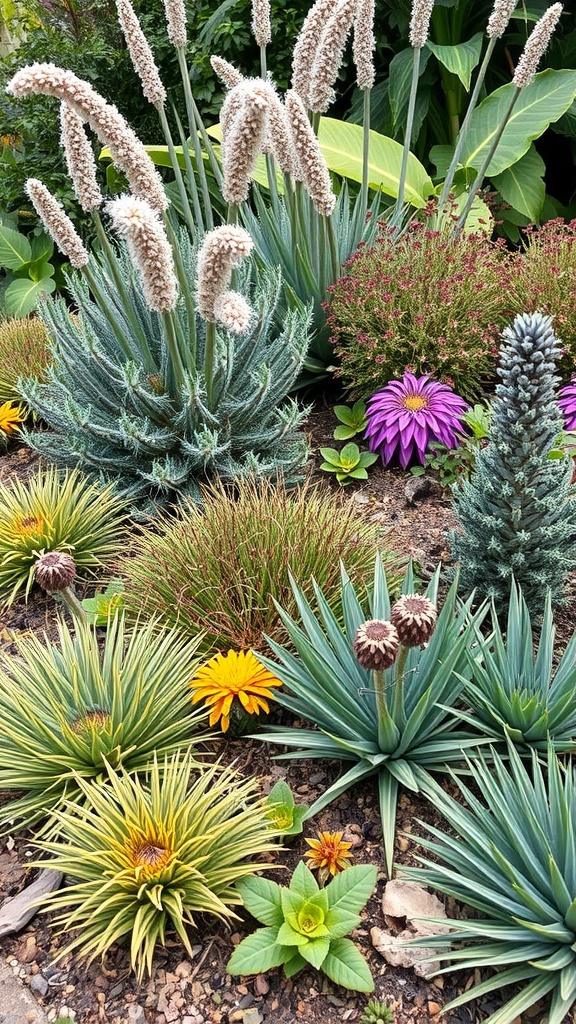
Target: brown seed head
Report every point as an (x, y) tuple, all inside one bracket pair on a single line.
[(414, 617), (376, 644), (55, 571)]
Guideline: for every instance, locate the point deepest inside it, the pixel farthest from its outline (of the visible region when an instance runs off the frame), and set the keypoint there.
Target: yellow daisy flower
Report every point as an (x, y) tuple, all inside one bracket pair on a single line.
[(237, 674), (11, 416), (329, 855)]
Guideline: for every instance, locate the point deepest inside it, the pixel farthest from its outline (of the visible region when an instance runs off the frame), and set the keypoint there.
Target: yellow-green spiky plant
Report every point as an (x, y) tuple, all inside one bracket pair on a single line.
[(55, 511), (70, 710), (148, 857)]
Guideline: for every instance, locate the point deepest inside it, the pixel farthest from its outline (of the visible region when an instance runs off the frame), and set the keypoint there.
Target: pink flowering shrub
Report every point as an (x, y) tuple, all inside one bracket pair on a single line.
[(423, 304), (545, 280)]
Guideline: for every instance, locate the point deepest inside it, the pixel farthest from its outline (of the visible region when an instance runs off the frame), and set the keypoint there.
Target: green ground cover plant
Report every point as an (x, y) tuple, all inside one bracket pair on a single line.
[(306, 925), (70, 711), (56, 511), (147, 857), (218, 569)]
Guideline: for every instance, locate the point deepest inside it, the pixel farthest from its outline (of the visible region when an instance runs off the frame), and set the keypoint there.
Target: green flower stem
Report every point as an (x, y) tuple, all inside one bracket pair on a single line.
[(465, 125), (177, 172), (104, 304), (195, 125), (168, 321), (190, 176), (365, 155), (189, 347), (75, 606), (398, 701), (316, 123), (382, 712), (209, 350), (397, 213), (232, 217), (127, 306), (333, 249), (480, 176), (270, 162)]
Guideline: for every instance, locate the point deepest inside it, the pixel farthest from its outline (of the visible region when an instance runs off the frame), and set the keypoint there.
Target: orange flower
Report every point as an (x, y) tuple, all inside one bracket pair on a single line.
[(225, 677), (328, 855)]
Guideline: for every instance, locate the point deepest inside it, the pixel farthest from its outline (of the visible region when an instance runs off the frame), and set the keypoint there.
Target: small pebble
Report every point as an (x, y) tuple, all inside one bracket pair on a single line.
[(38, 985)]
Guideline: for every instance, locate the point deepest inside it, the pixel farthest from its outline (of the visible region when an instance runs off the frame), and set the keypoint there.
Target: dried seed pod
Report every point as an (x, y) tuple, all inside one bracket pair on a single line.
[(376, 644), (55, 571), (414, 618)]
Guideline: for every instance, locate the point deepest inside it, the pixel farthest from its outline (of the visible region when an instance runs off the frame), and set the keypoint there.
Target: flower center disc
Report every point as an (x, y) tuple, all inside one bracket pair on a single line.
[(149, 856), (415, 402)]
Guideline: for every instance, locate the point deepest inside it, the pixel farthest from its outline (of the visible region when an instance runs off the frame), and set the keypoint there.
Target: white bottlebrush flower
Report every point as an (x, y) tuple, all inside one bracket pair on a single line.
[(261, 22), (226, 72), (498, 20), (364, 44), (79, 159), (307, 45), (140, 54), (222, 250), (232, 311), (313, 168), (536, 46), (420, 22), (244, 120), (105, 120), (138, 223), (176, 22), (329, 56), (57, 223)]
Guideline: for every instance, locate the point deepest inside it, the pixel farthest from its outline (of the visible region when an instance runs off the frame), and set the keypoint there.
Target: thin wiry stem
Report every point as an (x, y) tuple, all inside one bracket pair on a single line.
[(177, 172), (397, 212), (177, 366), (209, 350), (365, 154), (127, 306), (186, 291), (481, 173), (195, 124), (465, 125)]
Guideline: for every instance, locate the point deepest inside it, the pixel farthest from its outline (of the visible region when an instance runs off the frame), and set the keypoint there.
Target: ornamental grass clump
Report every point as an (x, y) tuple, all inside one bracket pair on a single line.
[(56, 511), (510, 855), (408, 416), (24, 353), (544, 280), (146, 858), (378, 699), (220, 568), (70, 710), (421, 303), (517, 510)]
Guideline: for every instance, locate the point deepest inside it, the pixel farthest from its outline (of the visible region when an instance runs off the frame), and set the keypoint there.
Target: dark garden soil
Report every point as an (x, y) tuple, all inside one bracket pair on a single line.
[(196, 989)]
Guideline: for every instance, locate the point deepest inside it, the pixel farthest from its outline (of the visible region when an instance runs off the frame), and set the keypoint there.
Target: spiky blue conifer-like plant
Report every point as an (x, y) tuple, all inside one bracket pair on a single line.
[(115, 408), (518, 509)]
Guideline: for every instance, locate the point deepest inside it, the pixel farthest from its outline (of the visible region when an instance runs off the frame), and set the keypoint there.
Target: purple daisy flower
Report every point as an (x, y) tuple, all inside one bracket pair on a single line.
[(408, 414), (567, 403)]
